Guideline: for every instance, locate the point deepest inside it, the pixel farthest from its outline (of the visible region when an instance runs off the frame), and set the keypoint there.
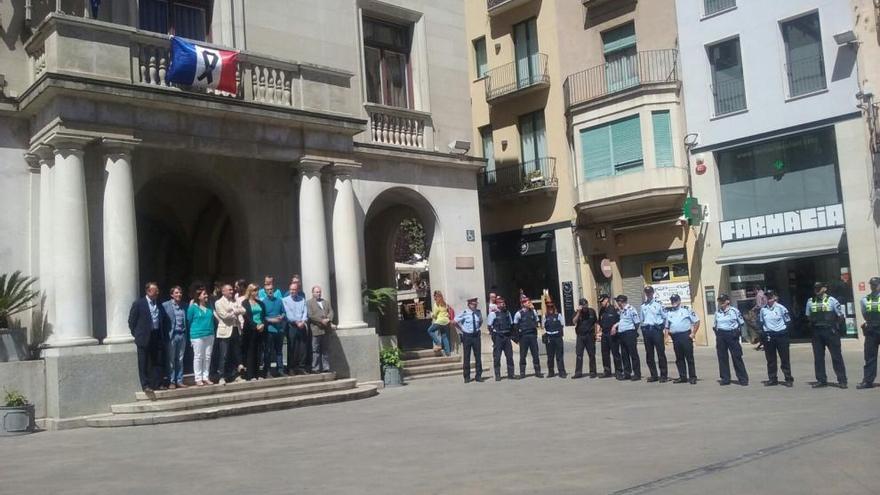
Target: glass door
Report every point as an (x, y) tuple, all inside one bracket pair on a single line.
[(621, 58), (525, 39)]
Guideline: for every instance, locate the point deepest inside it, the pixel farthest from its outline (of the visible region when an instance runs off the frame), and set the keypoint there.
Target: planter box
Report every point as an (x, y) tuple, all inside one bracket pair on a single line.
[(13, 345), (392, 376), (17, 420)]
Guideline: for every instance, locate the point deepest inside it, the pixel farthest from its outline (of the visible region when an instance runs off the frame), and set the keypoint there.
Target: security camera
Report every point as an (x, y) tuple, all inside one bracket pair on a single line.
[(459, 147), (846, 38)]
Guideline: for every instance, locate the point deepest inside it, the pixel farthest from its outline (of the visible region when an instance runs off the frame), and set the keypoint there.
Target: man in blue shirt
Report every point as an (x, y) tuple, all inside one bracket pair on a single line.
[(627, 332), (826, 315), (653, 316), (525, 323), (774, 319), (298, 338), (728, 332), (682, 324), (871, 329), (469, 322), (271, 298), (501, 326)]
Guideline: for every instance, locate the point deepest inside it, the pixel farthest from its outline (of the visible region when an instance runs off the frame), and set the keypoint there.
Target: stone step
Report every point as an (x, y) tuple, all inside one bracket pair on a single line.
[(424, 353), (426, 361), (194, 391), (116, 420), (257, 394), (432, 368), (442, 374)]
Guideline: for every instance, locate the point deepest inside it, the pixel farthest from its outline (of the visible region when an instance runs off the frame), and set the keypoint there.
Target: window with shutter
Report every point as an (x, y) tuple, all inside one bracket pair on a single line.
[(663, 155), (613, 148), (626, 144), (803, 52), (596, 149)]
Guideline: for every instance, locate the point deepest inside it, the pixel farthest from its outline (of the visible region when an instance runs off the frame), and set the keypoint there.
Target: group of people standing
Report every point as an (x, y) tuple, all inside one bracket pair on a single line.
[(238, 331)]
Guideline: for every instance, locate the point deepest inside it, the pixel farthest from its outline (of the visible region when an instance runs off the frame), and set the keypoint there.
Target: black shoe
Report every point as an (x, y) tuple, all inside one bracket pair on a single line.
[(693, 380), (724, 382), (539, 375), (623, 377), (664, 379), (576, 376), (680, 380), (842, 385), (606, 375), (563, 375), (864, 385), (788, 383), (511, 377), (819, 385), (497, 378), (479, 379), (551, 375), (652, 379), (636, 378), (148, 390), (522, 376), (744, 383), (467, 380), (593, 375)]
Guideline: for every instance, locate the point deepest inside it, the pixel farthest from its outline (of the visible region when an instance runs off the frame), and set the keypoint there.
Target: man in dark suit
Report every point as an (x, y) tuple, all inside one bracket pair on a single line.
[(321, 322), (147, 322)]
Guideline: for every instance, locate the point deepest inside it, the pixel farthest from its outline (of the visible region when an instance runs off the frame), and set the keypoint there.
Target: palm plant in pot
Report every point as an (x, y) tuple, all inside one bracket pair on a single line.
[(391, 361), (16, 414), (379, 302), (17, 295)]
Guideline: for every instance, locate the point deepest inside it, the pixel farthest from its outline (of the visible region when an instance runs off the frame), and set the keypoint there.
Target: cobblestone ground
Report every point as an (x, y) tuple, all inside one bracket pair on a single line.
[(531, 436)]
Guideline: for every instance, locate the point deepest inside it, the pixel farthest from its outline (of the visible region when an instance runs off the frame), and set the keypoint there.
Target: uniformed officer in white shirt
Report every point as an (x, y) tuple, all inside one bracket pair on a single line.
[(826, 316), (653, 315), (626, 330), (682, 324), (469, 322), (774, 319), (728, 332)]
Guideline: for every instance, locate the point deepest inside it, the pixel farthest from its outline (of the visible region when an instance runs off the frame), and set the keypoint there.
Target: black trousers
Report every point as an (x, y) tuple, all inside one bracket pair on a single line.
[(229, 355), (727, 344), (555, 352), (501, 343), (629, 353), (151, 361), (826, 337), (684, 354), (611, 348), (872, 342), (653, 337), (777, 343), (298, 346), (254, 342), (585, 342), (529, 343), (470, 344)]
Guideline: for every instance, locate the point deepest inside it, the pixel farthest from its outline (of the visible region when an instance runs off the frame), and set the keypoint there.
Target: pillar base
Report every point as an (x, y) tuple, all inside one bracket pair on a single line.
[(118, 339), (86, 380), (354, 353), (75, 342)]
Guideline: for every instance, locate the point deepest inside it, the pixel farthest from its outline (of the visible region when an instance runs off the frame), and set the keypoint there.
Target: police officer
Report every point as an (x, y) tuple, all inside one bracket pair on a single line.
[(627, 332), (587, 329), (526, 323), (468, 323), (553, 327), (826, 315), (871, 329), (500, 325), (653, 316), (774, 319), (682, 324), (608, 318), (728, 332)]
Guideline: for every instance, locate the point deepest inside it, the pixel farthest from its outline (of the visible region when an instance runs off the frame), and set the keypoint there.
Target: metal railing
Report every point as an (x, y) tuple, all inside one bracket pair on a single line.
[(522, 177), (714, 6), (729, 96), (515, 76), (647, 67), (806, 75)]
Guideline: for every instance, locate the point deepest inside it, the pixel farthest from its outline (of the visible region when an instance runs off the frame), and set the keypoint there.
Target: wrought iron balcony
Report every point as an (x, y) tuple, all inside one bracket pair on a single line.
[(523, 178), (517, 76), (641, 69), (729, 96)]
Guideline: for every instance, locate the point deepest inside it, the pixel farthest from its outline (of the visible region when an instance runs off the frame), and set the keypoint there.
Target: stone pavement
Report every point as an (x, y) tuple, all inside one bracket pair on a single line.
[(532, 436)]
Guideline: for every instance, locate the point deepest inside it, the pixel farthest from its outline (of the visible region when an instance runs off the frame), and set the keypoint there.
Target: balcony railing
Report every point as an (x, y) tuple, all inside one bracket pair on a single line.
[(729, 96), (642, 68), (398, 126), (516, 76), (806, 76), (529, 176)]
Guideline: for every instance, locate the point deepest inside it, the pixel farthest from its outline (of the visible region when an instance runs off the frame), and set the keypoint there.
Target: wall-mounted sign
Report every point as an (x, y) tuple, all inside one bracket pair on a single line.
[(568, 302), (605, 266), (662, 292), (470, 235), (789, 222)]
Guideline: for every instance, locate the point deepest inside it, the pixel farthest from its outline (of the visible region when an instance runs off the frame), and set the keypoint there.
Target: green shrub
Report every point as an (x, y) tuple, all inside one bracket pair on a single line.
[(14, 398), (391, 356), (16, 295)]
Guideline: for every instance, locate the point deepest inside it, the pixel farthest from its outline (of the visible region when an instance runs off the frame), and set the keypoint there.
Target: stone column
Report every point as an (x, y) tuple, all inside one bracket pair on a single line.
[(314, 256), (72, 285), (346, 254), (43, 157), (120, 240)]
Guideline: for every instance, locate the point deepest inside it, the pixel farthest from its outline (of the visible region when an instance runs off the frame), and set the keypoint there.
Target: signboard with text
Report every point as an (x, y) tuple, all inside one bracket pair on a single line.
[(662, 292), (789, 222)]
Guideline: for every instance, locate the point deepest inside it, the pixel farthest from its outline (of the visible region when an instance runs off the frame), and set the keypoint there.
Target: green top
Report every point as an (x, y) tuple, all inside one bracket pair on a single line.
[(257, 312), (201, 321)]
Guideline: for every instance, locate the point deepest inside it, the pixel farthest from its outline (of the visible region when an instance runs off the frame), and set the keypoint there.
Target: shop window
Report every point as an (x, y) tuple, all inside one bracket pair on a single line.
[(387, 70), (663, 154), (805, 64), (658, 273), (780, 175), (480, 57), (187, 19), (613, 148)]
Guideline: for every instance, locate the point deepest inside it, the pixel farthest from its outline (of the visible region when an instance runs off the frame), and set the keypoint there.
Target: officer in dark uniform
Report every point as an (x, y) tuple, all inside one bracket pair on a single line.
[(608, 317), (728, 331), (501, 325), (586, 328), (553, 328), (826, 315), (526, 322), (871, 329)]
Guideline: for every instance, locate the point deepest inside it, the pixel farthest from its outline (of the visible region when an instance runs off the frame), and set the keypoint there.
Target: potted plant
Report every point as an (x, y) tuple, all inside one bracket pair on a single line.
[(391, 361), (16, 415), (379, 302), (16, 296)]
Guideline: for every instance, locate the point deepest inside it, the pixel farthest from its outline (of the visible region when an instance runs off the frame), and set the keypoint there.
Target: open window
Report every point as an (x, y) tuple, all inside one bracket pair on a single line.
[(388, 72), (185, 18)]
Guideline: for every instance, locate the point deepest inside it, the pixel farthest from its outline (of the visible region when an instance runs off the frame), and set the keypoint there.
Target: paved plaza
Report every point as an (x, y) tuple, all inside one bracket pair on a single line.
[(531, 436)]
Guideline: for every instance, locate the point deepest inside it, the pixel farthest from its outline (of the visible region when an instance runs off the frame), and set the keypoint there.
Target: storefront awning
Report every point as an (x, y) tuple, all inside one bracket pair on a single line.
[(779, 248)]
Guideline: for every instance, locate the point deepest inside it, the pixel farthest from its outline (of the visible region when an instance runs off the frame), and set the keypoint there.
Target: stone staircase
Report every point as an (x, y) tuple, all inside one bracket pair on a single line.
[(419, 365), (215, 401)]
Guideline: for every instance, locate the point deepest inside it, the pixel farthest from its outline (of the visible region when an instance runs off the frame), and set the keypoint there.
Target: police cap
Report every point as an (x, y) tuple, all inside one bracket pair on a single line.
[(875, 281), (621, 298), (674, 298), (723, 297)]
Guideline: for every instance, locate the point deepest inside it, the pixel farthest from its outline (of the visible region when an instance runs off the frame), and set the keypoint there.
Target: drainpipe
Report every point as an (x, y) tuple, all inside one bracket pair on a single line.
[(28, 12)]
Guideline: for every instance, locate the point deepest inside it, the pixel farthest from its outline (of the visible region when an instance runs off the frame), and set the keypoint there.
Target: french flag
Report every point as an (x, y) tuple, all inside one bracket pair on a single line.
[(202, 67)]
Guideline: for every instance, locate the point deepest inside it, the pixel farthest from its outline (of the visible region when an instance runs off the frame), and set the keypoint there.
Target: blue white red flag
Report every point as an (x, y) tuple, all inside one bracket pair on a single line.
[(202, 67)]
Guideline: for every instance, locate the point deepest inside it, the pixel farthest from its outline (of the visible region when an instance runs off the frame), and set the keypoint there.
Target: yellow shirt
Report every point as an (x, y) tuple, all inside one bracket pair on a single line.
[(440, 314)]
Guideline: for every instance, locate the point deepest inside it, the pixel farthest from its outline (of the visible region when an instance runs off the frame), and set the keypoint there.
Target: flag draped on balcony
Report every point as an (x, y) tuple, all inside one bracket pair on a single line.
[(201, 67)]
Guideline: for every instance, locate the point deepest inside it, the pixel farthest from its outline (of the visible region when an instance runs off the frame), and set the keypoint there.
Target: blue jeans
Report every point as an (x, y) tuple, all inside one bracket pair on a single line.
[(440, 335), (175, 350), (274, 344)]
